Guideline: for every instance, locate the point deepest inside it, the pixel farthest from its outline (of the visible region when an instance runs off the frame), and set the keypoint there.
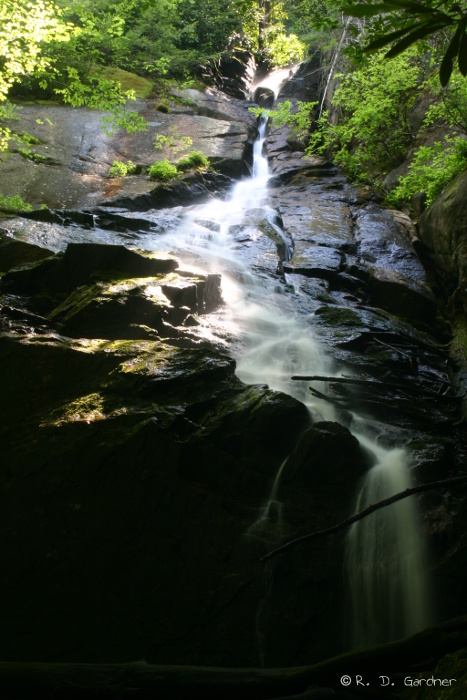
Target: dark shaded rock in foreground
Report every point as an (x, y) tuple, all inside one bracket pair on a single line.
[(134, 472)]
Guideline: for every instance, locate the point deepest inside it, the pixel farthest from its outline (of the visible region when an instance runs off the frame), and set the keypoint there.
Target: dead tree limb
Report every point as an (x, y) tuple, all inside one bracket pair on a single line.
[(358, 381), (85, 681), (364, 513)]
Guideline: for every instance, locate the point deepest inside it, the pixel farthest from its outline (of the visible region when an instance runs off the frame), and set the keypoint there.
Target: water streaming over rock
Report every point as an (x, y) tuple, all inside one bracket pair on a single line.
[(385, 558), (385, 562)]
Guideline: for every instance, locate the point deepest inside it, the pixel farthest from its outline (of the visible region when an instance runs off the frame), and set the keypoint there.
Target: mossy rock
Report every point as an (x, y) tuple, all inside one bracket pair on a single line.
[(129, 81), (447, 682)]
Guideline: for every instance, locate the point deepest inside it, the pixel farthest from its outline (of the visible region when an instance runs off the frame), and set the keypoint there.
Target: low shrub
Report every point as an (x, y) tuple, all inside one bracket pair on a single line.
[(193, 159), (431, 170), (121, 169), (162, 170), (14, 203)]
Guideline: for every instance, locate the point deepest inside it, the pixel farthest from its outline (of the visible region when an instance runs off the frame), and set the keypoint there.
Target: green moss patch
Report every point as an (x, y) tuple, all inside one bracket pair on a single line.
[(129, 81)]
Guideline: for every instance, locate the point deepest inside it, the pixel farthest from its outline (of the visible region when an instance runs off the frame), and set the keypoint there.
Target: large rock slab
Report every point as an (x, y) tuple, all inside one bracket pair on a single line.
[(14, 253), (77, 153), (161, 457), (154, 452)]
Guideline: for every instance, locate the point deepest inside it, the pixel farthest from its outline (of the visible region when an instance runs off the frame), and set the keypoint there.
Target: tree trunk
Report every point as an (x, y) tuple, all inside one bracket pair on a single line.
[(263, 23)]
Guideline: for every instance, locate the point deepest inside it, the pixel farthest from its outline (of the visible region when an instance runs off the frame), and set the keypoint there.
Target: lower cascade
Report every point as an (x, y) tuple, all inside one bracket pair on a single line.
[(385, 559)]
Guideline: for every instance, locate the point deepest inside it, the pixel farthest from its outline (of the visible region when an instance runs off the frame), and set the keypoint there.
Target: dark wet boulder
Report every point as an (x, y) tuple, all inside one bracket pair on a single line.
[(315, 261), (264, 97), (138, 308), (81, 264), (305, 84), (14, 253), (190, 189), (402, 296), (326, 455), (154, 451), (233, 73)]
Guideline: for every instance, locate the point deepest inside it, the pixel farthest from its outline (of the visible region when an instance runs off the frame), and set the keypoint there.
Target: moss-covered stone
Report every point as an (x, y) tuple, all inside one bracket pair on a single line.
[(142, 87), (448, 681)]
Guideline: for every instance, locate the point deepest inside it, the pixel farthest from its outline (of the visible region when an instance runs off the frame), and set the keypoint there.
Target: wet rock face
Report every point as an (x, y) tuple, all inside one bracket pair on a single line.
[(136, 466), (14, 253), (304, 85), (79, 154), (161, 456), (442, 229), (233, 73), (362, 250), (109, 291)]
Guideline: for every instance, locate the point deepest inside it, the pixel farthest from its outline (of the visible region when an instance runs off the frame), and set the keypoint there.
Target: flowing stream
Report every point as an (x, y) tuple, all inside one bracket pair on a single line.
[(385, 560)]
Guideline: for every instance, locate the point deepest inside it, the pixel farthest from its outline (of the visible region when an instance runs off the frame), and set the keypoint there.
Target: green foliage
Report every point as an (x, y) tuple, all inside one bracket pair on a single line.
[(450, 104), (162, 170), (431, 169), (298, 117), (372, 133), (173, 140), (14, 204), (121, 169), (28, 139), (285, 49), (30, 155), (25, 29), (193, 159), (265, 31), (403, 23)]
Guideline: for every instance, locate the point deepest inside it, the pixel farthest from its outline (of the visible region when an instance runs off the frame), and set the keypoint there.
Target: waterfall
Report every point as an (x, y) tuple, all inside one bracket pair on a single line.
[(385, 557), (384, 562)]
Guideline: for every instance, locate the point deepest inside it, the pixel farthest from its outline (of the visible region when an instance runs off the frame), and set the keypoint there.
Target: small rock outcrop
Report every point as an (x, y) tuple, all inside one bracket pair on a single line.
[(443, 230)]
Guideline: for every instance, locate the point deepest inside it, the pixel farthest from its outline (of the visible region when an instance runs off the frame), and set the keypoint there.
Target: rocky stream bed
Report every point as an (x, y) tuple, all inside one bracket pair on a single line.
[(135, 460)]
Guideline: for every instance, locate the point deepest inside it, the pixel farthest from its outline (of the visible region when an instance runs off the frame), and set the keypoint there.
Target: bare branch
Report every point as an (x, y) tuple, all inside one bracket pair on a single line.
[(363, 513)]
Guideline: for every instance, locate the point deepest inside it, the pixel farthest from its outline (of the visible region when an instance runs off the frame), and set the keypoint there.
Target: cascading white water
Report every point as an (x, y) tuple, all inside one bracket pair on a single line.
[(385, 557), (384, 562)]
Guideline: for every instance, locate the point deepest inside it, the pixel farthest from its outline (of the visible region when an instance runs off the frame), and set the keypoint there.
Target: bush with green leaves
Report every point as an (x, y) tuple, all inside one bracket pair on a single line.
[(121, 169), (431, 169), (193, 159), (433, 166), (162, 170), (14, 203), (372, 134)]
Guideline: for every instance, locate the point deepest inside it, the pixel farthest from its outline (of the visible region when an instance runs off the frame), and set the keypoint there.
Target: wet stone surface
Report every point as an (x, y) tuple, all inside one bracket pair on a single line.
[(124, 421)]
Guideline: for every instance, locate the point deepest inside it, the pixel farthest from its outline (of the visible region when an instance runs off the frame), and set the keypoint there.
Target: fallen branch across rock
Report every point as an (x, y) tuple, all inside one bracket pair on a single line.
[(86, 681), (364, 513), (377, 384)]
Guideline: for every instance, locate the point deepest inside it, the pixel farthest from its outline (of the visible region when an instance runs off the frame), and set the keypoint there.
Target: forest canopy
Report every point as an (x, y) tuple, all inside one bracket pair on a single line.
[(51, 44), (75, 51)]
